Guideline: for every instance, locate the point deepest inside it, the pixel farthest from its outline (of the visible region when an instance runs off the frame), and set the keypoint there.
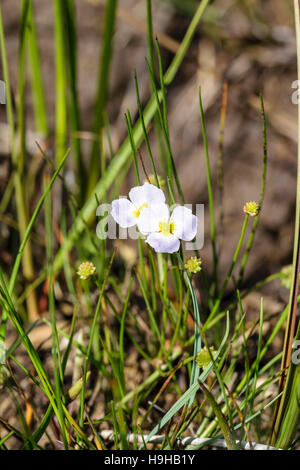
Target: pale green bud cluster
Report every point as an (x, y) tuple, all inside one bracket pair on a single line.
[(193, 265), (86, 270), (251, 208)]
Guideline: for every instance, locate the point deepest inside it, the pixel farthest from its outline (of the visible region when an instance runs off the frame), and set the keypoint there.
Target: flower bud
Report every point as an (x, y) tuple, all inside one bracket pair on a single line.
[(251, 208)]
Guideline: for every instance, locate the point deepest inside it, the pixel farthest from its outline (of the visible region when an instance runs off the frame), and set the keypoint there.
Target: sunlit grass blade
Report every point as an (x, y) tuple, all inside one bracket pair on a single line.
[(91, 341), (38, 92), (210, 196), (289, 410), (61, 105), (261, 197)]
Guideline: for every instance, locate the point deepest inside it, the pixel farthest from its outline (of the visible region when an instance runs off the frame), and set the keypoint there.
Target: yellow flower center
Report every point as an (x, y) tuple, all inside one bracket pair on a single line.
[(137, 211), (166, 228)]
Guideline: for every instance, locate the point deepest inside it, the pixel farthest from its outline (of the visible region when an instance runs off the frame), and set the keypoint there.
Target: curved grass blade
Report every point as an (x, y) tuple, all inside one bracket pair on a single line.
[(210, 195), (291, 385), (197, 344)]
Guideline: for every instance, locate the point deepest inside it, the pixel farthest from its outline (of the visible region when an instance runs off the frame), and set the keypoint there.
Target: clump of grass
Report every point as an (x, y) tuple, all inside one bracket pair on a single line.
[(125, 306)]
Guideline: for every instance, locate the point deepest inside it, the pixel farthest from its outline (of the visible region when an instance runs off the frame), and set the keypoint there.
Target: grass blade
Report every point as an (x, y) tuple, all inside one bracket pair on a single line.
[(38, 94)]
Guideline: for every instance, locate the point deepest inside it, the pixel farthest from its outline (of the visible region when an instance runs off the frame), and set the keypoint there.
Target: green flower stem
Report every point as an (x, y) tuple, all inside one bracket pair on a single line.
[(228, 277), (210, 196), (261, 198), (197, 344)]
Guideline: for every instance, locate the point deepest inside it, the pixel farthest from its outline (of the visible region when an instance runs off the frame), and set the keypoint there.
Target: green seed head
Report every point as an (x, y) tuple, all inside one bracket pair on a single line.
[(251, 208), (161, 181), (193, 265), (86, 270), (203, 357)]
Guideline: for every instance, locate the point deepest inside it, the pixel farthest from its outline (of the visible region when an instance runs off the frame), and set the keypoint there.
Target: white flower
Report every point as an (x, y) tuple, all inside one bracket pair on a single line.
[(127, 213), (164, 232)]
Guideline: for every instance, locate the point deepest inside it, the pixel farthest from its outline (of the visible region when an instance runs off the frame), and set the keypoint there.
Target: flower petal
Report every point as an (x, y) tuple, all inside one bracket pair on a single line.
[(146, 194), (151, 216), (163, 243), (185, 223), (122, 212)]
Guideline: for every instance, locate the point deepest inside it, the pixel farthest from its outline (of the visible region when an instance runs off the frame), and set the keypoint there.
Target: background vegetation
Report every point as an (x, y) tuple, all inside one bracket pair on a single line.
[(144, 353)]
